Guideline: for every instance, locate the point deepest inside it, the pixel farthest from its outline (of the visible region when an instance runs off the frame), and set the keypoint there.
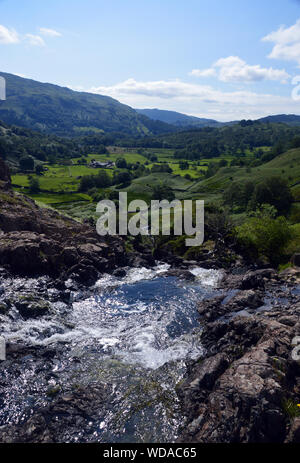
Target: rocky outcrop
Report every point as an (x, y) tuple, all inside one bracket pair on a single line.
[(5, 180), (36, 241), (248, 386)]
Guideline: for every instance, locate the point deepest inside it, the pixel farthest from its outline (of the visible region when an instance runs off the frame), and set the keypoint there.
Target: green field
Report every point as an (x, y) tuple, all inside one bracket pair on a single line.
[(58, 178), (59, 184)]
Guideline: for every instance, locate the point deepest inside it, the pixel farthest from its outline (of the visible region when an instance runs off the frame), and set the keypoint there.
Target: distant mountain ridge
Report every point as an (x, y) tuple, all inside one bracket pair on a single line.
[(178, 119), (62, 111), (185, 121), (289, 119)]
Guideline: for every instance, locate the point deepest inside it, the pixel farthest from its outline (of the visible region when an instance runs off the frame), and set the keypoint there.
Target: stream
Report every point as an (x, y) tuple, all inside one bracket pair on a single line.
[(133, 334)]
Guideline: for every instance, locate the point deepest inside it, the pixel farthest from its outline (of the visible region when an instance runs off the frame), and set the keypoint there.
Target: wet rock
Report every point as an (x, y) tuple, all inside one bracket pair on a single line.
[(63, 419), (211, 309), (218, 306), (30, 306), (84, 273), (4, 308), (245, 299), (182, 274), (139, 262), (119, 273)]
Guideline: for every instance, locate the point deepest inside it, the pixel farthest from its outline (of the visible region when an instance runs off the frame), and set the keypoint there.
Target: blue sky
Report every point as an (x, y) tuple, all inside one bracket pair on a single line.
[(220, 59)]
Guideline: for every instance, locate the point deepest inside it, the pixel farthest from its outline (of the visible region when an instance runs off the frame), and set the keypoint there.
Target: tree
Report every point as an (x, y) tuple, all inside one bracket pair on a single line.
[(26, 163), (121, 163), (122, 178), (34, 184), (296, 142), (161, 192), (39, 169), (274, 191), (183, 165), (239, 194), (101, 180)]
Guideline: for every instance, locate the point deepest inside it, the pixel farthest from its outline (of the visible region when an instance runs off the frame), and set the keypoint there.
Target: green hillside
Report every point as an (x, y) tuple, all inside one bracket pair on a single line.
[(61, 111), (286, 166)]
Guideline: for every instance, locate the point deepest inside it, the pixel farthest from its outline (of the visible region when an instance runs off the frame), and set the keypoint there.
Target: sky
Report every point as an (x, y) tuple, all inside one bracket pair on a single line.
[(219, 59)]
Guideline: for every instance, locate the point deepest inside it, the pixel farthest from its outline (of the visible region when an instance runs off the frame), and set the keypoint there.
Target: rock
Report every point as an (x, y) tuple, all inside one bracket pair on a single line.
[(70, 256), (30, 306), (243, 400), (84, 273), (211, 309), (296, 260), (4, 308), (39, 241), (216, 307), (63, 418), (182, 274), (249, 280), (294, 434), (139, 262), (5, 180), (119, 273), (245, 299)]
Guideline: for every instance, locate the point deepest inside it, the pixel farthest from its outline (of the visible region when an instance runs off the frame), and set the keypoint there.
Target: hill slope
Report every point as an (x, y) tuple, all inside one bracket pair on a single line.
[(286, 166), (289, 119), (59, 110)]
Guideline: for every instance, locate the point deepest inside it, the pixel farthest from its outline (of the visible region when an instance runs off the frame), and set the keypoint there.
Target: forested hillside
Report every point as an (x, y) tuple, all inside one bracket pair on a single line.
[(61, 111)]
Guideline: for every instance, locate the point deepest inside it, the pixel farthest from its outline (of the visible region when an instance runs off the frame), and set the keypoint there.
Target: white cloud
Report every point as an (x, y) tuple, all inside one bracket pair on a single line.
[(198, 100), (49, 32), (234, 69), (8, 36), (286, 43), (35, 40), (210, 72)]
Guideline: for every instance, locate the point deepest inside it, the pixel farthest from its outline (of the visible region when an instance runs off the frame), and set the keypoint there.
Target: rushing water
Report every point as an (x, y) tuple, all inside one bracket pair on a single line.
[(134, 334)]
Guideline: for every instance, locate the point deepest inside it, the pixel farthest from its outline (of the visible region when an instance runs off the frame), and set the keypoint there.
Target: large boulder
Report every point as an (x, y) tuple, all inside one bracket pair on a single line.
[(35, 241), (5, 180)]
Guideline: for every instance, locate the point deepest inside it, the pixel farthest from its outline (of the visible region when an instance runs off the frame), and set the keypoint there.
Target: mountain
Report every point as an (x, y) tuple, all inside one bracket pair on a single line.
[(178, 119), (289, 119), (185, 121), (61, 111)]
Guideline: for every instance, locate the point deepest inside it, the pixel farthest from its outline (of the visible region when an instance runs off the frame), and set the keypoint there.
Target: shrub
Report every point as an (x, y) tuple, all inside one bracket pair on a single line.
[(265, 235), (34, 184)]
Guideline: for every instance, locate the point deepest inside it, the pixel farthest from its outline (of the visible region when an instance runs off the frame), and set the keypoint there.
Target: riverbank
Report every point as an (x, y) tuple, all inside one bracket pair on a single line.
[(247, 387)]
